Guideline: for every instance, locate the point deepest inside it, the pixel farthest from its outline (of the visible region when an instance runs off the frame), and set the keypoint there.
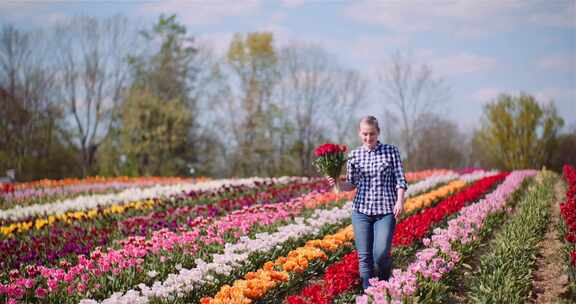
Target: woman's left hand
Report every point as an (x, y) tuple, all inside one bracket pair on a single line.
[(398, 209)]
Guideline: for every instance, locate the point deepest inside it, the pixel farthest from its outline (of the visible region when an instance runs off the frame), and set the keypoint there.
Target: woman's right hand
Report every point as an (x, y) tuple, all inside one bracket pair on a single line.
[(331, 181)]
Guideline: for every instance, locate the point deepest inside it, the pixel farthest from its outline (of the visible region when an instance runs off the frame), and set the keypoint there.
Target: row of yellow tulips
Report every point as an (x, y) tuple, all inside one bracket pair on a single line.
[(426, 199), (71, 216)]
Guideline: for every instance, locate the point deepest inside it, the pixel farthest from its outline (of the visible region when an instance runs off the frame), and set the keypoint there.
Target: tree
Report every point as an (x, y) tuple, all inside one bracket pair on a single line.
[(305, 92), (349, 95), (320, 100), (210, 145), (165, 67), (281, 104), (439, 144), (30, 133), (565, 152), (517, 132), (253, 64), (92, 58), (156, 130), (153, 129), (389, 128), (412, 90)]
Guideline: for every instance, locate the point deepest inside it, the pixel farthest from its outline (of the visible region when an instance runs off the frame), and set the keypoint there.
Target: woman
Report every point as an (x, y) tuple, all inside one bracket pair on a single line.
[(375, 171)]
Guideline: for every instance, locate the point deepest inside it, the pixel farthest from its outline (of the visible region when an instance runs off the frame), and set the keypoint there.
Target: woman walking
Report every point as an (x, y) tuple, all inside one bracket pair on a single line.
[(375, 171)]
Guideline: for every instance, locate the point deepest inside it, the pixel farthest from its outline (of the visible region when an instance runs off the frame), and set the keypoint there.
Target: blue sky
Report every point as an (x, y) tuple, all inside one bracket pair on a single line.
[(480, 48)]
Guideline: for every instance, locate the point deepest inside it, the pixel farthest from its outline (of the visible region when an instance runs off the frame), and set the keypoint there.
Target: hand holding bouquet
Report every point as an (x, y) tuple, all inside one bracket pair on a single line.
[(330, 159)]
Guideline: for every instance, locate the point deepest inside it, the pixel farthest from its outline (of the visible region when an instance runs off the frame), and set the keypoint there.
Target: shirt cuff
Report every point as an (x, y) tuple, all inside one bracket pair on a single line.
[(402, 185)]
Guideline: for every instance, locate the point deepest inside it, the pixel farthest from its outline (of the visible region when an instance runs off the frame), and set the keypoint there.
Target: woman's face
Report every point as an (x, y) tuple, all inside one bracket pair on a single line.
[(368, 134)]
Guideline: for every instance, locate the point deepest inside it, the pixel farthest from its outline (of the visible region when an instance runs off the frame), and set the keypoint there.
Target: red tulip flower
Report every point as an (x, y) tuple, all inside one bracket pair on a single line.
[(330, 159)]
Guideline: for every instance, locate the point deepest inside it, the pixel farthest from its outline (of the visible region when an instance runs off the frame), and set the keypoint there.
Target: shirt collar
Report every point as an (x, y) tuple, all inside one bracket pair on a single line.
[(376, 147)]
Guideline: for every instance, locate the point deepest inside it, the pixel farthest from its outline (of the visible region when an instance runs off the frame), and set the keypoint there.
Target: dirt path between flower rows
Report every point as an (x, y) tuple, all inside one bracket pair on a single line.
[(549, 278)]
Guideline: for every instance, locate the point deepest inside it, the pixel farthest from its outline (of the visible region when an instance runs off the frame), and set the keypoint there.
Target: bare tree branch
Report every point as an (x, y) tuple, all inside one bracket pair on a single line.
[(350, 94), (92, 54), (412, 91), (306, 90)]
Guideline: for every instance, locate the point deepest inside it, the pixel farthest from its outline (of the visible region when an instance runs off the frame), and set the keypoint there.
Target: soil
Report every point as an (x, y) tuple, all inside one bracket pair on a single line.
[(549, 278)]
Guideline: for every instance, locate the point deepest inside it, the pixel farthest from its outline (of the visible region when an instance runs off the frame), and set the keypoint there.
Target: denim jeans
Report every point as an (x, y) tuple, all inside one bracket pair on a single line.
[(373, 239)]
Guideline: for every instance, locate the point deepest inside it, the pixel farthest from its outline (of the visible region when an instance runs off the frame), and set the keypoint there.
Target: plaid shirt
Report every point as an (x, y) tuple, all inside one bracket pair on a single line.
[(377, 174)]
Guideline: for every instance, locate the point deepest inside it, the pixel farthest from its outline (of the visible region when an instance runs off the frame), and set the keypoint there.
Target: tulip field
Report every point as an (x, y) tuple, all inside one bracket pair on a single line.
[(466, 236)]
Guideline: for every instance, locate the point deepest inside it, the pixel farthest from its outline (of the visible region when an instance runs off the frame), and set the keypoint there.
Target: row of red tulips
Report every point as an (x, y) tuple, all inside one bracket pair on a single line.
[(568, 210)]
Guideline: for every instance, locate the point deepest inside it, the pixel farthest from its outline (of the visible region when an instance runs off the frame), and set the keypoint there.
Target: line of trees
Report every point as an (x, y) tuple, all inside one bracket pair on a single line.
[(101, 96)]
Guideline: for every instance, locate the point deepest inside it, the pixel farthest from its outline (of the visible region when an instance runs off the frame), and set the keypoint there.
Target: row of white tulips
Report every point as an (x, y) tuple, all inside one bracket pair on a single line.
[(476, 175), (436, 180), (430, 182)]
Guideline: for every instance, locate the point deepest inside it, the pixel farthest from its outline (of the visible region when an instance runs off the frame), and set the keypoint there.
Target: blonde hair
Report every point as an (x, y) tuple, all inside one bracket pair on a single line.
[(371, 121)]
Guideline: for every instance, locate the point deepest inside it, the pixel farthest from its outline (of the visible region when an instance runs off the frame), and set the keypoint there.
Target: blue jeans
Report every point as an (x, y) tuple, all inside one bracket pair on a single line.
[(373, 239)]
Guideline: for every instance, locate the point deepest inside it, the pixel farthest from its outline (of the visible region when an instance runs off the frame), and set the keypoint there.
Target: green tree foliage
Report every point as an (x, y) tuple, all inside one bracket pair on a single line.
[(166, 71), (517, 132), (254, 63), (154, 133), (156, 127)]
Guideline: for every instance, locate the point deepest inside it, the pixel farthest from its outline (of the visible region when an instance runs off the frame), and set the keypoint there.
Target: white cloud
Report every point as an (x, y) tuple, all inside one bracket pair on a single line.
[(365, 49), (389, 14), (558, 62), (371, 52), (22, 6), (463, 63), (202, 12), (451, 64), (293, 3), (462, 18), (376, 45), (29, 12), (564, 15)]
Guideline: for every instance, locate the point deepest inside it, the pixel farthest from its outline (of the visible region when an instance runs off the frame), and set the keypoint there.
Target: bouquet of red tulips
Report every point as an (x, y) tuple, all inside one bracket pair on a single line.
[(330, 159)]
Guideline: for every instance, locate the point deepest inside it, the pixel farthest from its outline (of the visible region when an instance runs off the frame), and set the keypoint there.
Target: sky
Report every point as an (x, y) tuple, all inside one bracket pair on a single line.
[(480, 48)]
